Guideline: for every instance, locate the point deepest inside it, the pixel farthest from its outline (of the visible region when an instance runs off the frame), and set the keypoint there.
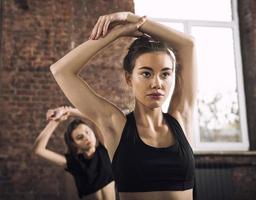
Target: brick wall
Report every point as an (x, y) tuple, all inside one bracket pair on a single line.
[(34, 35)]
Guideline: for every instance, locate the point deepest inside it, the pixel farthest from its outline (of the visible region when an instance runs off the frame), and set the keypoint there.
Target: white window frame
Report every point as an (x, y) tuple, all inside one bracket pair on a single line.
[(234, 25)]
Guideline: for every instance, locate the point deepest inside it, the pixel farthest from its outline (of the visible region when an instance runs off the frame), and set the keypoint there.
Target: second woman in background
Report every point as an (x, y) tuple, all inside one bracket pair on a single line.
[(86, 159)]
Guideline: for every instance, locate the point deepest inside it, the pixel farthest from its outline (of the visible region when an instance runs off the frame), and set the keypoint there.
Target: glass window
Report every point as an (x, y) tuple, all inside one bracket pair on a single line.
[(210, 10), (217, 96)]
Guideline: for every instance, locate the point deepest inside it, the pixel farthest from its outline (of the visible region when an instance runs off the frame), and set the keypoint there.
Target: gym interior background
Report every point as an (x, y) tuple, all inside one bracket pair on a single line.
[(34, 34)]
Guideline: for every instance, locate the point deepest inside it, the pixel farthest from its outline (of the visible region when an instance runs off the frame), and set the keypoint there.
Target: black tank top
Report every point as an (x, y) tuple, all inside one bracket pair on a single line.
[(92, 174), (138, 167)]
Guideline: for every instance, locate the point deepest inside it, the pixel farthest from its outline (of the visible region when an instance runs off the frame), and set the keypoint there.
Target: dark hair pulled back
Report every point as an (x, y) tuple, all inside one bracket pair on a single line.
[(144, 44)]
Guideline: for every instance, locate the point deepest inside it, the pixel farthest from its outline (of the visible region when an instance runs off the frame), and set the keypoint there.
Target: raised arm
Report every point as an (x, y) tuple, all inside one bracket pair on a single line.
[(42, 141), (184, 96), (66, 73), (107, 117)]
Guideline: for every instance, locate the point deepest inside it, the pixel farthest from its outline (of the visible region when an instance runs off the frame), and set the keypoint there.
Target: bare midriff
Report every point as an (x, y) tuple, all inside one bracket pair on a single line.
[(158, 195), (106, 193)]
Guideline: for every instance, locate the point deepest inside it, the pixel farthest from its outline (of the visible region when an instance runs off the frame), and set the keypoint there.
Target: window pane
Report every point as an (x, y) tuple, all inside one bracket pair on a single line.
[(217, 98), (211, 10)]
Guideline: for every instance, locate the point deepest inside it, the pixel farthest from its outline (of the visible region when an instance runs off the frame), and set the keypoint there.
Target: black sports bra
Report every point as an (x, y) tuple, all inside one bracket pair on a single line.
[(138, 167)]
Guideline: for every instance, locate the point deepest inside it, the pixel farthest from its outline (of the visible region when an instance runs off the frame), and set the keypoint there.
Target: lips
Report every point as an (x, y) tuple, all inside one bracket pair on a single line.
[(88, 143), (155, 95)]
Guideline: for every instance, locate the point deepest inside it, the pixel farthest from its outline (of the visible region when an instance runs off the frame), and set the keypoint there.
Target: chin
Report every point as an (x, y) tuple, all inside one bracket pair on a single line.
[(150, 104), (154, 105)]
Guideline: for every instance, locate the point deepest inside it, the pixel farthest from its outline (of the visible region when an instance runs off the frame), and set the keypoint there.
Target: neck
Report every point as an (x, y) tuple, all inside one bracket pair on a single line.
[(148, 117), (89, 153)]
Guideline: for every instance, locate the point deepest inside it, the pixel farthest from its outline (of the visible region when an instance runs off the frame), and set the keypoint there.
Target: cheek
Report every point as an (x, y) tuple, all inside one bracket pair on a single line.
[(139, 88), (76, 143), (170, 84), (139, 82), (92, 137)]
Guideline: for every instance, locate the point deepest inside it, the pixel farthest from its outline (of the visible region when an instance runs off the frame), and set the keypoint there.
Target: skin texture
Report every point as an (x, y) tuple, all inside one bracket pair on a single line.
[(148, 115), (84, 139)]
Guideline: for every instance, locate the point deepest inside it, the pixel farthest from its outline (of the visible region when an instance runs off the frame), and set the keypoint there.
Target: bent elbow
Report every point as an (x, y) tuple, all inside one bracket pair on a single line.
[(37, 149), (60, 73), (54, 70), (192, 41), (39, 152)]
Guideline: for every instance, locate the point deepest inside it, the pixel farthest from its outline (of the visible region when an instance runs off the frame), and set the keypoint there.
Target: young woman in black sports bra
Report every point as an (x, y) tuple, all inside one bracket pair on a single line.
[(86, 159), (150, 151)]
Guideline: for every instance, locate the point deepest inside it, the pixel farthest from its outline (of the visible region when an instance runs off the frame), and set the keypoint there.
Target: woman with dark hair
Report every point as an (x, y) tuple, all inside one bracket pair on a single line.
[(86, 158), (150, 150)]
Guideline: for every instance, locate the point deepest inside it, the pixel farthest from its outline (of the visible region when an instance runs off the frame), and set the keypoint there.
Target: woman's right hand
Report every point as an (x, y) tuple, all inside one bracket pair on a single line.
[(102, 25), (104, 22), (58, 114)]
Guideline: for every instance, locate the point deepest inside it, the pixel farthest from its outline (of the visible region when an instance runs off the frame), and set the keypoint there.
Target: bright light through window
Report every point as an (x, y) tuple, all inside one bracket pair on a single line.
[(210, 10), (217, 99)]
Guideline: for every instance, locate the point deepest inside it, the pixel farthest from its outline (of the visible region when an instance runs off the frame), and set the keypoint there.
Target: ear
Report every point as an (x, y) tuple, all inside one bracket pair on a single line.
[(128, 77)]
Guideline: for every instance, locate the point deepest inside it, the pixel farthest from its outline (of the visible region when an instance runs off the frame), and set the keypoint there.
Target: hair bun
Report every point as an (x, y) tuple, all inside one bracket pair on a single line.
[(143, 44)]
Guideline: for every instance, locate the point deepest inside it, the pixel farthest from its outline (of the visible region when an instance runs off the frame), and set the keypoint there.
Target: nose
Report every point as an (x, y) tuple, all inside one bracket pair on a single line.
[(156, 82), (85, 138)]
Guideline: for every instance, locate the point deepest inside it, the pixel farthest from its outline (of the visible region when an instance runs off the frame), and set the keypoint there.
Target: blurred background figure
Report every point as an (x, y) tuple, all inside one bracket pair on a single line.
[(86, 158)]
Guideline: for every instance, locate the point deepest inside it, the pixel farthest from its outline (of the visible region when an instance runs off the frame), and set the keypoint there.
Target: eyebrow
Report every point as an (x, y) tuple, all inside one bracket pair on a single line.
[(149, 68)]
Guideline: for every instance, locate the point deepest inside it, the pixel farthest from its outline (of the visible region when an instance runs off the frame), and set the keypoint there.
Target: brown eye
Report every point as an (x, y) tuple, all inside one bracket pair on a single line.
[(79, 137), (165, 75), (146, 74)]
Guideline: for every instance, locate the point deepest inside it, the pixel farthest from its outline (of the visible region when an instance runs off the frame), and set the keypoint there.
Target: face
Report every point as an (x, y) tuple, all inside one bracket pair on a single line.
[(83, 137), (152, 78)]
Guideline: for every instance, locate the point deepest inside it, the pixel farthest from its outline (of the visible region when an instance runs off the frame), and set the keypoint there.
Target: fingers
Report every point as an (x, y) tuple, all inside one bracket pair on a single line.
[(57, 113), (103, 24), (63, 117), (105, 28), (141, 21), (101, 27), (138, 33), (94, 30), (132, 29)]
